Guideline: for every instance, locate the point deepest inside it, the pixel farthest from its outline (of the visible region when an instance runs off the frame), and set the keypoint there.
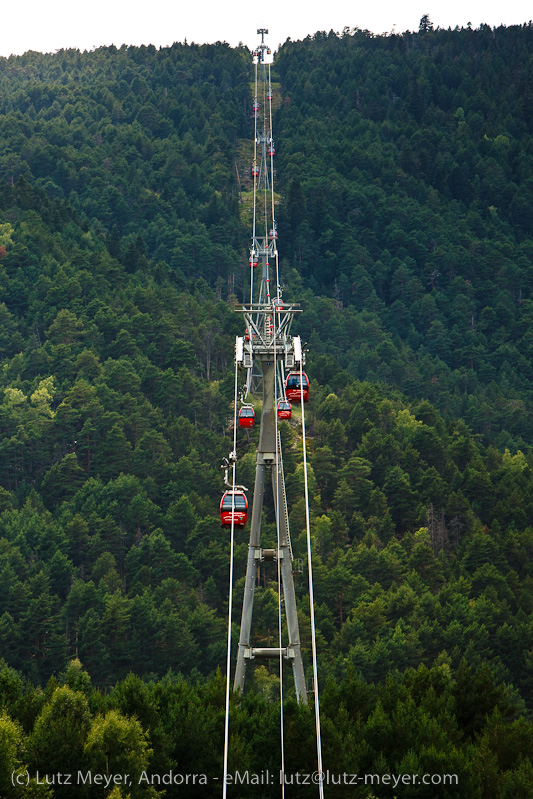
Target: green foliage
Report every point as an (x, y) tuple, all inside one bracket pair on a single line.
[(405, 231), (60, 731), (117, 745), (405, 210), (416, 721)]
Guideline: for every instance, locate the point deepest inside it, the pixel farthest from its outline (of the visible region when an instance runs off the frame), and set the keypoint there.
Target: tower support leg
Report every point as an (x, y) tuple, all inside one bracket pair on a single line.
[(266, 458), (292, 624), (251, 568), (280, 503)]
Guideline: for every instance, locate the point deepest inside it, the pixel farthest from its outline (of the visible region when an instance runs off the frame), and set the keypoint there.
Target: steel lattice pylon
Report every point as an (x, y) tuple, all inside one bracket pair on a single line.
[(269, 344), (269, 459)]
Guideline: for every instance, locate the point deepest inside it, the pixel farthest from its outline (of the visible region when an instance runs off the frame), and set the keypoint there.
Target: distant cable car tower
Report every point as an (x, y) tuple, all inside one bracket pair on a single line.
[(264, 232)]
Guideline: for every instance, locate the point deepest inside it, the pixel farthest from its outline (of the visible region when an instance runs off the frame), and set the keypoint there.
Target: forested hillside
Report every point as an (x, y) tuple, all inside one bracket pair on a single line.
[(405, 173), (407, 163)]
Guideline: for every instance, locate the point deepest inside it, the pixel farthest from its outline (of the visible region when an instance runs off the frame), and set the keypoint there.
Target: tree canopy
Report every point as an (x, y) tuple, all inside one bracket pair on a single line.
[(403, 164)]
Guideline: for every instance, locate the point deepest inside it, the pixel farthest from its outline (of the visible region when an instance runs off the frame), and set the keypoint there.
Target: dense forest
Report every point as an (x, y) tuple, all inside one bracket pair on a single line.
[(404, 165)]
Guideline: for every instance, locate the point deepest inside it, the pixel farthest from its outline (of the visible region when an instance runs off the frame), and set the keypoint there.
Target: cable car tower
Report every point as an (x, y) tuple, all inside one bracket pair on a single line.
[(268, 345)]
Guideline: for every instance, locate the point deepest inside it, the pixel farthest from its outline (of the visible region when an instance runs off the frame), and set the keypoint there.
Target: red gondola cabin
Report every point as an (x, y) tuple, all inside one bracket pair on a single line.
[(233, 505), (253, 261), (284, 409), (293, 389), (246, 416)]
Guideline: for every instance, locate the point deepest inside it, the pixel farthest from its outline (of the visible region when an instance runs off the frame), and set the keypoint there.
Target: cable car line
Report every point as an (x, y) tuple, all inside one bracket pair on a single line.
[(230, 598), (278, 563), (268, 344), (311, 592), (271, 154)]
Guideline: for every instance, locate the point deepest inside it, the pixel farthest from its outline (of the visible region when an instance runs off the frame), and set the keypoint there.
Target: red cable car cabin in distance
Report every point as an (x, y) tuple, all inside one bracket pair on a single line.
[(233, 505), (284, 409), (293, 388), (246, 416)]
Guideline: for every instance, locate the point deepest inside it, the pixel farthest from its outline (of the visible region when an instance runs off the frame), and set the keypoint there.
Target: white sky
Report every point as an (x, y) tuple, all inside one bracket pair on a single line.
[(48, 25)]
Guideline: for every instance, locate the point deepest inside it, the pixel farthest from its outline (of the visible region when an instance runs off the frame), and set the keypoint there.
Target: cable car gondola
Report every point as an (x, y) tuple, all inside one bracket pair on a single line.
[(246, 416), (284, 409), (293, 387), (272, 233), (253, 260), (255, 170), (271, 150), (233, 506)]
